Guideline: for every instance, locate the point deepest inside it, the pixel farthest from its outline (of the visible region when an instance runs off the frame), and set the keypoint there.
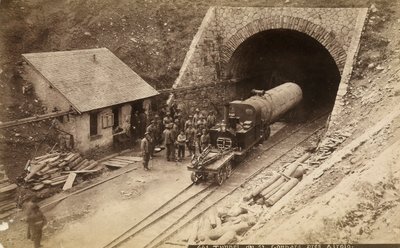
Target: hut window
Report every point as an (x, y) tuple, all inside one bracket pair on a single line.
[(107, 120), (93, 124)]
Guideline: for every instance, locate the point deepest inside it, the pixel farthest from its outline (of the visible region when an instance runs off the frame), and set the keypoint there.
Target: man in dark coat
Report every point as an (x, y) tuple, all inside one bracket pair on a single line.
[(36, 222), (151, 130)]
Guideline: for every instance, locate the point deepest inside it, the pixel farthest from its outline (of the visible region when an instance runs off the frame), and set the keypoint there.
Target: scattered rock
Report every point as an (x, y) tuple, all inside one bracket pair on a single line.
[(3, 226)]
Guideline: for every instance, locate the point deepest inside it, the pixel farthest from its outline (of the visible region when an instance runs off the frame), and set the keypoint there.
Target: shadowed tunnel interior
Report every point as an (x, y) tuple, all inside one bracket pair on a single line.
[(273, 57)]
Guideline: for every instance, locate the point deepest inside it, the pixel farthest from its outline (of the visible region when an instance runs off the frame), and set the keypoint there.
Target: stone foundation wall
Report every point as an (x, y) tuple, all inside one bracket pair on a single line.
[(209, 97)]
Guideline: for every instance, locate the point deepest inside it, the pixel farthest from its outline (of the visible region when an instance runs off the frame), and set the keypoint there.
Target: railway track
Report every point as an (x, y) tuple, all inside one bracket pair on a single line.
[(190, 203)]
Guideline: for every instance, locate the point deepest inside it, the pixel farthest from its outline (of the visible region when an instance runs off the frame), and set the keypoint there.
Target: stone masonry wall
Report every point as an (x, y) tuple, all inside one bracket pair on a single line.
[(224, 28), (209, 97)]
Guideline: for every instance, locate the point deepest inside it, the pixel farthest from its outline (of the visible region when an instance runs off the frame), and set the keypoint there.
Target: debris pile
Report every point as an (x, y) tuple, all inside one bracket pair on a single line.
[(57, 168), (328, 146), (7, 198), (278, 185), (222, 226)]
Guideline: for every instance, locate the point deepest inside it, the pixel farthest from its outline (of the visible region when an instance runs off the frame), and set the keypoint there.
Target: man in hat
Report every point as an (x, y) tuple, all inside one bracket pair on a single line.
[(167, 119), (169, 142), (151, 130), (36, 222), (189, 122), (196, 116), (146, 150), (190, 133)]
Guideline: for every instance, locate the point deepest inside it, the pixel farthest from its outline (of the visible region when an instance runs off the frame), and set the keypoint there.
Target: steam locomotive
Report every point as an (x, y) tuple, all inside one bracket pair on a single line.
[(245, 124)]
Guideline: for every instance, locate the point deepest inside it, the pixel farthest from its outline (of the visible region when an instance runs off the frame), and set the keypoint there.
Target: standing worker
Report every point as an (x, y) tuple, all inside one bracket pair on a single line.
[(181, 140), (204, 139), (151, 130), (211, 119), (145, 147), (190, 136), (36, 222), (169, 142)]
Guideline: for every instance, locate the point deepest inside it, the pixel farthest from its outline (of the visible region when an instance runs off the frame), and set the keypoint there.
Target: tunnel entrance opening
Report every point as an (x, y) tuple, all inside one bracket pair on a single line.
[(273, 57)]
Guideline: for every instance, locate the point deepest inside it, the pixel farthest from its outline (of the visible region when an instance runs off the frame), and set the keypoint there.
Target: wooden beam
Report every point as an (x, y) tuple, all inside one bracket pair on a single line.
[(70, 181), (34, 119)]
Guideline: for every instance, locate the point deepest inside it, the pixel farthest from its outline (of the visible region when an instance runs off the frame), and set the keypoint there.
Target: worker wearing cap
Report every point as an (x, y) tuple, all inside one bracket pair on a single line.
[(169, 142), (175, 132), (167, 119), (196, 116), (190, 133), (151, 130), (202, 122), (146, 150), (189, 122), (181, 121)]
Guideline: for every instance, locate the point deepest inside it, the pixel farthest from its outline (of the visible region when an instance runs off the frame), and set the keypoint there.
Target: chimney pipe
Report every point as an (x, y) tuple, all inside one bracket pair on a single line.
[(226, 114)]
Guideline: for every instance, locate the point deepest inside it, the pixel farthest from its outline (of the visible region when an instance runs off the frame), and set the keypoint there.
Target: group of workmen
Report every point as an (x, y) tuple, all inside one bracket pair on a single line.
[(177, 132)]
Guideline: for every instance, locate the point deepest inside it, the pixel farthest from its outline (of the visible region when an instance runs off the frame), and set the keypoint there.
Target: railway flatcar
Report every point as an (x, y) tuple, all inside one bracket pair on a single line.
[(245, 124)]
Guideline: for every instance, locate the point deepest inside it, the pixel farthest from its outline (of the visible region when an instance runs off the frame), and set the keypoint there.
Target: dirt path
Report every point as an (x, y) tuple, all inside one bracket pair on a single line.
[(92, 218)]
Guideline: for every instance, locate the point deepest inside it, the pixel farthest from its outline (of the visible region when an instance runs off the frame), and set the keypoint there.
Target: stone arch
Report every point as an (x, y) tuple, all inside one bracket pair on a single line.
[(323, 36)]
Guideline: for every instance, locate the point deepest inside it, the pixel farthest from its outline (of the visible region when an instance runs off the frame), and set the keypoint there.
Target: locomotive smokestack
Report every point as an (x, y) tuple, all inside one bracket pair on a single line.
[(226, 115)]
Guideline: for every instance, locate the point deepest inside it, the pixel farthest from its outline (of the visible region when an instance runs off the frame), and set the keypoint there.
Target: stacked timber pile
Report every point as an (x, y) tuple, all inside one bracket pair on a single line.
[(278, 185), (56, 168), (220, 226), (121, 161), (329, 145), (8, 194)]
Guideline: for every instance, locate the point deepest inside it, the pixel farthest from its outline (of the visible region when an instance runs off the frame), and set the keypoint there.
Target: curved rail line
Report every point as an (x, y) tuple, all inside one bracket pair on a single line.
[(164, 239), (194, 201)]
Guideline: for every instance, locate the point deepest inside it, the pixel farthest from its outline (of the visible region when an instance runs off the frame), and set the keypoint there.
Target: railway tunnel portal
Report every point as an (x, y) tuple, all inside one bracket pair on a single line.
[(270, 58), (237, 49)]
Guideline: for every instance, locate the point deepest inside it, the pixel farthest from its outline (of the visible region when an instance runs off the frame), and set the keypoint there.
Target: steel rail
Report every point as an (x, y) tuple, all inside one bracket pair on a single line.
[(240, 185), (286, 136), (149, 215)]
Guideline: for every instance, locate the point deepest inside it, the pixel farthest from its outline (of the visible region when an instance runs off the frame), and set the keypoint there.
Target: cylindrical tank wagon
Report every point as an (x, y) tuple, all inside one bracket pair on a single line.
[(245, 124), (270, 104)]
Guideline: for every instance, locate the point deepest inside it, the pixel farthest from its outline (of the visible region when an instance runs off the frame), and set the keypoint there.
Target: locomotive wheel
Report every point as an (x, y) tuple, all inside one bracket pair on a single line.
[(220, 177), (195, 179), (228, 170)]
